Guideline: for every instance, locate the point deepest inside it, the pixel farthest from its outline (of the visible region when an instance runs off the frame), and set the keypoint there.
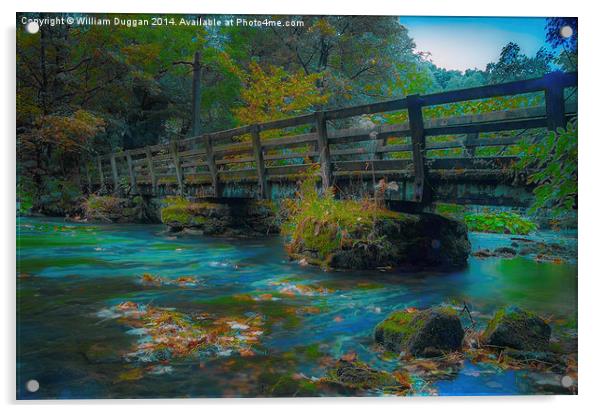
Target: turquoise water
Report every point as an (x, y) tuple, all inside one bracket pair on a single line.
[(72, 277)]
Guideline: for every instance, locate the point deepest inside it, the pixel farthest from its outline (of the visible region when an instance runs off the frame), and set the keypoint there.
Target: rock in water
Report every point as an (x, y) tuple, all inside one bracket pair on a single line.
[(425, 333), (518, 329), (252, 218), (406, 241), (357, 375)]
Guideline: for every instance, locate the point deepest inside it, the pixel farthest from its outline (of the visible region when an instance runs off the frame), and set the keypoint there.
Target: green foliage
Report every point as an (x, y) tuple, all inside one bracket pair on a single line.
[(58, 197), (554, 162), (451, 210), (501, 222)]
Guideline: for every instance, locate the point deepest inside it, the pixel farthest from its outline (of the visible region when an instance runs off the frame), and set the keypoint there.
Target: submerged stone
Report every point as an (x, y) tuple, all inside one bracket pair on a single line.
[(356, 375), (425, 333), (515, 328)]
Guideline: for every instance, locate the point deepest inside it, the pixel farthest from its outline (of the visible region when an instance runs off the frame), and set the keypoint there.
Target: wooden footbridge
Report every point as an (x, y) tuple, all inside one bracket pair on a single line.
[(266, 160)]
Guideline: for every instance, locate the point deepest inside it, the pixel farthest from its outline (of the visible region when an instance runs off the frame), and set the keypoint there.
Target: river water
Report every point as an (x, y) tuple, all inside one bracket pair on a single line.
[(73, 277)]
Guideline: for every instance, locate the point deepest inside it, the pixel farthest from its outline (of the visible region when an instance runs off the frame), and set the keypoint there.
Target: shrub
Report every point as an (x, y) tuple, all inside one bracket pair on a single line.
[(501, 222)]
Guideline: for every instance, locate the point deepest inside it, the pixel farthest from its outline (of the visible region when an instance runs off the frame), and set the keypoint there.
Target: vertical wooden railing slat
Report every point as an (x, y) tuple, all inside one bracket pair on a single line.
[(325, 164), (262, 181), (418, 148)]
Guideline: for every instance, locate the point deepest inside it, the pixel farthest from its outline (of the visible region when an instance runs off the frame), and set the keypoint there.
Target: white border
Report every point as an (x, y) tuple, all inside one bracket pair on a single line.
[(590, 160)]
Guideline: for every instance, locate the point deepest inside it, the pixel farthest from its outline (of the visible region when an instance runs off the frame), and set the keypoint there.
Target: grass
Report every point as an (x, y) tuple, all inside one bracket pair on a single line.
[(324, 224)]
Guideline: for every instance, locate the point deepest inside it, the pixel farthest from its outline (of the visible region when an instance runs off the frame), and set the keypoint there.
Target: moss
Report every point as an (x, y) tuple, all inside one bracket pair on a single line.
[(312, 351), (178, 210), (421, 333), (359, 376), (287, 386), (493, 323), (400, 322), (513, 327)]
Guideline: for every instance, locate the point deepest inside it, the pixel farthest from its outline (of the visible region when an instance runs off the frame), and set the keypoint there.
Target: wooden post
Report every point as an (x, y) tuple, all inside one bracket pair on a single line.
[(115, 174), (178, 166), (212, 166), (470, 144), (554, 101), (134, 186), (101, 174), (151, 170), (259, 162), (196, 94), (418, 148), (325, 166)]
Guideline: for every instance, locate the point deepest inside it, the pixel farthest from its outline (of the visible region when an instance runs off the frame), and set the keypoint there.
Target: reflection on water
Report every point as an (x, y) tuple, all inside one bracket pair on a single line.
[(71, 273)]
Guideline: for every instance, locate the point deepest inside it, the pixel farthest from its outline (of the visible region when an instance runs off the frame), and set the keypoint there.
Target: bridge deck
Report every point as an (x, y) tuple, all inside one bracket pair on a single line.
[(242, 163)]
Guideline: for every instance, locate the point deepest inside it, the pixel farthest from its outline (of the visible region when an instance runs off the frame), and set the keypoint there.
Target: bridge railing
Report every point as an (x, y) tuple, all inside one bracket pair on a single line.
[(243, 155)]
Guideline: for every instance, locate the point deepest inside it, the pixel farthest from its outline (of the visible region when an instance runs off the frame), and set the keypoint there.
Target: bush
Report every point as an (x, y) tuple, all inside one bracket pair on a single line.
[(554, 161), (501, 222)]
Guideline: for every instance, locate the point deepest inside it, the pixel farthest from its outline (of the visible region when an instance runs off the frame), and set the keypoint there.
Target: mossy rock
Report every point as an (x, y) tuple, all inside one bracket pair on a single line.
[(251, 218), (107, 208), (513, 327), (359, 376), (425, 333), (393, 240), (288, 386)]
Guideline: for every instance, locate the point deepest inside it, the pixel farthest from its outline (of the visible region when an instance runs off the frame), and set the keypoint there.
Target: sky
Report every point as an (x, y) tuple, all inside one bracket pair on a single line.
[(462, 43)]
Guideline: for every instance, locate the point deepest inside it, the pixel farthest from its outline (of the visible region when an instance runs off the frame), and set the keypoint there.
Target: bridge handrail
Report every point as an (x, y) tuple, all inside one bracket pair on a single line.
[(202, 150)]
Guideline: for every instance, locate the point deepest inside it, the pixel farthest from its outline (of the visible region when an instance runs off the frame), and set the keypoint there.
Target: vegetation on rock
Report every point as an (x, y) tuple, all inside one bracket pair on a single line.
[(518, 329), (360, 234), (426, 333)]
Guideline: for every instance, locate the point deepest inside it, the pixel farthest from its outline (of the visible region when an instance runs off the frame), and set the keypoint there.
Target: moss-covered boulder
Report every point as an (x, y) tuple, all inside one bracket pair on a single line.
[(385, 240), (513, 327), (431, 332), (113, 209), (251, 218)]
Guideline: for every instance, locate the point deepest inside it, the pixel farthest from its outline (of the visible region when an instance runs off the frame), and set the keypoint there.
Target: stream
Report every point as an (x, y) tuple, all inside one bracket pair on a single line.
[(72, 279)]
